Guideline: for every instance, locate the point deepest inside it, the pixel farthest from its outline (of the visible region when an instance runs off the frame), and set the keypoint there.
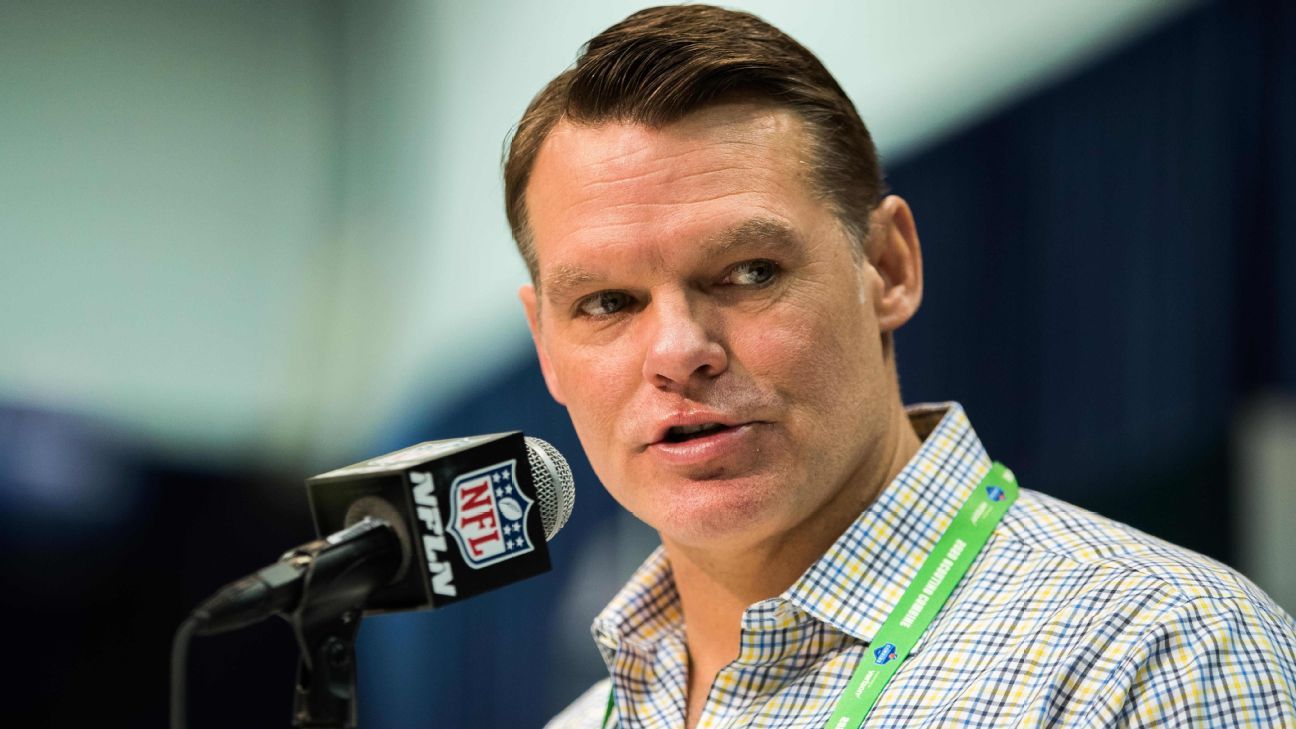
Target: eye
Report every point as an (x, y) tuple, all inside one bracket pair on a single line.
[(604, 303), (751, 273)]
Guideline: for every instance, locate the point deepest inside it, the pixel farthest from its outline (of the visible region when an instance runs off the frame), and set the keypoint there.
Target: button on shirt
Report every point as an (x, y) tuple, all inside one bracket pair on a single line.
[(1065, 618)]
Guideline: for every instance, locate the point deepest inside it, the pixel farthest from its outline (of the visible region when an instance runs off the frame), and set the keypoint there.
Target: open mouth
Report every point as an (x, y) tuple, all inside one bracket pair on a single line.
[(682, 433)]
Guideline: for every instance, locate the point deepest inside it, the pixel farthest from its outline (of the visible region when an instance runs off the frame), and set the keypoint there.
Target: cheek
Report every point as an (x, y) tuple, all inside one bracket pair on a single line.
[(597, 382), (808, 350)]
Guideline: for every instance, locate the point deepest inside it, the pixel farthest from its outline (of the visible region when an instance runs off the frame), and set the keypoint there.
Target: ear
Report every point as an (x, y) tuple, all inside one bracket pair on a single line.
[(527, 294), (895, 255)]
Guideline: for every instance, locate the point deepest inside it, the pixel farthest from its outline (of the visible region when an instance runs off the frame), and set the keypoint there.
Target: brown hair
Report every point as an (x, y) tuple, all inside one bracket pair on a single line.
[(662, 63)]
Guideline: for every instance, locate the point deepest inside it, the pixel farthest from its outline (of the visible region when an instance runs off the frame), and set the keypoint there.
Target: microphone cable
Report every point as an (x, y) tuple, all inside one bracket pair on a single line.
[(179, 665)]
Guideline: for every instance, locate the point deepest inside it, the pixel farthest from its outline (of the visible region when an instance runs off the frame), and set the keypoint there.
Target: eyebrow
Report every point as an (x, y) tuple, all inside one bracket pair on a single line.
[(752, 233), (564, 279)]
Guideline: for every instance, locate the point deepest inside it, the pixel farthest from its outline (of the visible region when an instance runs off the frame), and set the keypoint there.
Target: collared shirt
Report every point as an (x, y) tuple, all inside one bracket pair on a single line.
[(1065, 618)]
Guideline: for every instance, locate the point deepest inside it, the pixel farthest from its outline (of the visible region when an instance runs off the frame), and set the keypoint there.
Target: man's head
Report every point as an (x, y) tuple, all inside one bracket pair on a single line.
[(707, 311), (661, 64)]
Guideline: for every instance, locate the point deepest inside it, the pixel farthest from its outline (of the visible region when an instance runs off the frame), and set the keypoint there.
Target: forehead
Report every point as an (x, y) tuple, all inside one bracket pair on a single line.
[(600, 186)]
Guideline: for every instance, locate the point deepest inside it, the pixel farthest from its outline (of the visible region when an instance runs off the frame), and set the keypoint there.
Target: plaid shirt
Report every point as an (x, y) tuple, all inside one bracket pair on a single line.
[(1065, 618)]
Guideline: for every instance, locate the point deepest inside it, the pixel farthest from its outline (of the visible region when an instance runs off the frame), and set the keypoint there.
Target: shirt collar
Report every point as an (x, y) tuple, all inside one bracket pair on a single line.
[(645, 610), (860, 578)]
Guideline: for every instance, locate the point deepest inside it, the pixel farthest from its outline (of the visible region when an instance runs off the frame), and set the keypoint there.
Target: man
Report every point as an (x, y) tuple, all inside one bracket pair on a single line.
[(717, 274)]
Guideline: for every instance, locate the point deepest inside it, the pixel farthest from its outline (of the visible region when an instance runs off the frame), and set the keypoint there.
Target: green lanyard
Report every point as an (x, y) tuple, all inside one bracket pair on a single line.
[(936, 579)]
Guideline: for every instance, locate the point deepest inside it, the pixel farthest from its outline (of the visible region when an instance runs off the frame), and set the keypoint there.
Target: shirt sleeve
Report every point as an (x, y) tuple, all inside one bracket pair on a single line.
[(1213, 662)]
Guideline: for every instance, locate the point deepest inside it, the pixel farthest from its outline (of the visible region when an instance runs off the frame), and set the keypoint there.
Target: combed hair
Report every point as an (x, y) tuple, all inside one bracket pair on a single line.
[(662, 63)]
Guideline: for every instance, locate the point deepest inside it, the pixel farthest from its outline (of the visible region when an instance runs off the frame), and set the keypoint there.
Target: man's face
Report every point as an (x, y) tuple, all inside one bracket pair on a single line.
[(705, 321)]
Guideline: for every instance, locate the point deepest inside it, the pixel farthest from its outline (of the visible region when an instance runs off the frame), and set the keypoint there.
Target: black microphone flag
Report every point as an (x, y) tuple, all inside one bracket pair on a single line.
[(474, 513)]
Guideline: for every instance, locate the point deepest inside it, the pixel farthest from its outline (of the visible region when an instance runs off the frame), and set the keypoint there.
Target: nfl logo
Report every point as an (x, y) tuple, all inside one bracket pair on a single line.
[(489, 514)]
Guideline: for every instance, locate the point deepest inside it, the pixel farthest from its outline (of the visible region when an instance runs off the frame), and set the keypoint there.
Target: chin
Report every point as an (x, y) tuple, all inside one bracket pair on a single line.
[(715, 513)]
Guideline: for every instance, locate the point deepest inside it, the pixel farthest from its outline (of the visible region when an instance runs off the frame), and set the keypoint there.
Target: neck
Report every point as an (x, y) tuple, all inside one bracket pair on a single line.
[(716, 584)]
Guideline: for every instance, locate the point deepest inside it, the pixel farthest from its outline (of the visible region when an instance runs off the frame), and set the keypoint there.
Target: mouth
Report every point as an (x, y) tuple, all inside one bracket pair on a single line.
[(709, 444), (685, 433)]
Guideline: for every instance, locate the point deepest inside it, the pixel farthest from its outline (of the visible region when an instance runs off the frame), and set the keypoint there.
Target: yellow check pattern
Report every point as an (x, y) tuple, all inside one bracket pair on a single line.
[(1064, 619)]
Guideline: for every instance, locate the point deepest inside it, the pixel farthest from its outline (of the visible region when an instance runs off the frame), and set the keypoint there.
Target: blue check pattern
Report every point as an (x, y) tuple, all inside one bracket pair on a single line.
[(1064, 619)]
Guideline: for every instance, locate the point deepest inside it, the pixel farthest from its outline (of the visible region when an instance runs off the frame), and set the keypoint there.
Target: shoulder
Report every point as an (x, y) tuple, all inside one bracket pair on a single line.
[(586, 712), (1150, 631), (1075, 543)]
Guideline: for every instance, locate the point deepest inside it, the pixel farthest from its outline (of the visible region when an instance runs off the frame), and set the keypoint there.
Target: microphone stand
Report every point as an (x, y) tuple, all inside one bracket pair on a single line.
[(324, 696), (335, 588)]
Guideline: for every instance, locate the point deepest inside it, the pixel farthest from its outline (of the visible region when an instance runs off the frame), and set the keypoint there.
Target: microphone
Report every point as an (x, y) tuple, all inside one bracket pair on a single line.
[(421, 527)]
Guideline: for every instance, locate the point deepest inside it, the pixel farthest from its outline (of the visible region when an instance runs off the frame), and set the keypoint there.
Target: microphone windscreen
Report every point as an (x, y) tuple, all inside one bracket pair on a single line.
[(554, 485)]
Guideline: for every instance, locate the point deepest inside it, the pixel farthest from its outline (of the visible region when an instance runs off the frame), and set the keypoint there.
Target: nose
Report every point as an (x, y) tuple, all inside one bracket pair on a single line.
[(683, 348)]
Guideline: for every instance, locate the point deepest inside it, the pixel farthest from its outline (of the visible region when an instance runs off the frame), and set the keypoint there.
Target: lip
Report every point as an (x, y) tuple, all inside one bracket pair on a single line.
[(684, 420), (710, 448)]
